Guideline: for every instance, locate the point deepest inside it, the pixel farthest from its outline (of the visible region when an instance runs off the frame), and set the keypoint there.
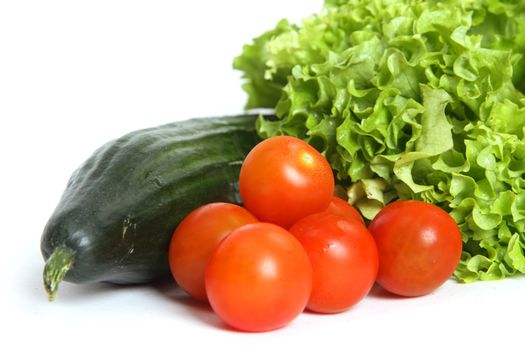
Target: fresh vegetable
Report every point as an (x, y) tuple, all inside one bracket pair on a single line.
[(413, 100), (341, 207), (284, 179), (419, 247), (195, 238), (117, 214), (344, 260), (258, 278)]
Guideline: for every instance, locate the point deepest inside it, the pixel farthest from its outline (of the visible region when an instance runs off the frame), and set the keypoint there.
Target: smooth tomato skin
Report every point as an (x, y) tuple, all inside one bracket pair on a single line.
[(258, 278), (419, 247), (195, 238), (341, 207), (344, 260), (284, 179)]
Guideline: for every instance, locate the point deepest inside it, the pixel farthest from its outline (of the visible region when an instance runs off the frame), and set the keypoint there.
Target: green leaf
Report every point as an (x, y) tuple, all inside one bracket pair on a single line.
[(369, 196), (403, 171), (485, 221), (515, 253), (262, 92), (507, 117), (436, 136)]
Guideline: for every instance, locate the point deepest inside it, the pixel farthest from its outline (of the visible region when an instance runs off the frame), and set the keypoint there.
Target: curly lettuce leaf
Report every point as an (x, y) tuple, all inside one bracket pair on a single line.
[(262, 92), (410, 99)]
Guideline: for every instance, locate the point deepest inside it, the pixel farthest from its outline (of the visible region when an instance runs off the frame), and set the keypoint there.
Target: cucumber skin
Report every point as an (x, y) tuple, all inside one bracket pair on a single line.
[(119, 209)]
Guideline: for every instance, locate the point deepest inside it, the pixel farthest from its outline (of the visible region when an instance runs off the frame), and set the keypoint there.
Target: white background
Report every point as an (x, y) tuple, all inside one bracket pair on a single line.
[(75, 74)]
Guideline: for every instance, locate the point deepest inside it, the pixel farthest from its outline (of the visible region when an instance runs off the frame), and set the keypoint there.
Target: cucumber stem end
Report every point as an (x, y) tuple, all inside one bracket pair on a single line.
[(56, 267)]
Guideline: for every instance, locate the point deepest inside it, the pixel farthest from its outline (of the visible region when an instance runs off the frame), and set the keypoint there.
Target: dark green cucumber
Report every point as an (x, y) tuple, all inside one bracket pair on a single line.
[(116, 216)]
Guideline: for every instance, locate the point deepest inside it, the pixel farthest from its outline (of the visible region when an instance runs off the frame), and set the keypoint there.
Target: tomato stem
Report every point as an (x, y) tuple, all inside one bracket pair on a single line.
[(56, 268)]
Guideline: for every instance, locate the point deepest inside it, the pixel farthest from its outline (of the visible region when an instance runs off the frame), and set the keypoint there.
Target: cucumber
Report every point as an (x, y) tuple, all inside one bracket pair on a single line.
[(116, 216)]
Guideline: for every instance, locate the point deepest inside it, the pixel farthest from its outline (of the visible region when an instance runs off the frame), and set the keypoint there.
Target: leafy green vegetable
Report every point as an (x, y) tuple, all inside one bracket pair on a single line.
[(410, 99)]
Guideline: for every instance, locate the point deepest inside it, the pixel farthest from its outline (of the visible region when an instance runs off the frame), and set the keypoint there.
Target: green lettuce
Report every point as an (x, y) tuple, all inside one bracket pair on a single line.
[(410, 99)]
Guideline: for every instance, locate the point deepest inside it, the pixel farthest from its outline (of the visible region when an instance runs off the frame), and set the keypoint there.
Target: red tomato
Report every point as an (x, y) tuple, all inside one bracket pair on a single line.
[(258, 278), (419, 247), (196, 237), (341, 207), (344, 260), (284, 179)]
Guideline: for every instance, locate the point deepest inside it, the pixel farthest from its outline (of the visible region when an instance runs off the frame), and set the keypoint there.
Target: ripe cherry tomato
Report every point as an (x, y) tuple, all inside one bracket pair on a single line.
[(258, 278), (284, 179), (196, 237), (419, 247), (341, 207), (344, 260)]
